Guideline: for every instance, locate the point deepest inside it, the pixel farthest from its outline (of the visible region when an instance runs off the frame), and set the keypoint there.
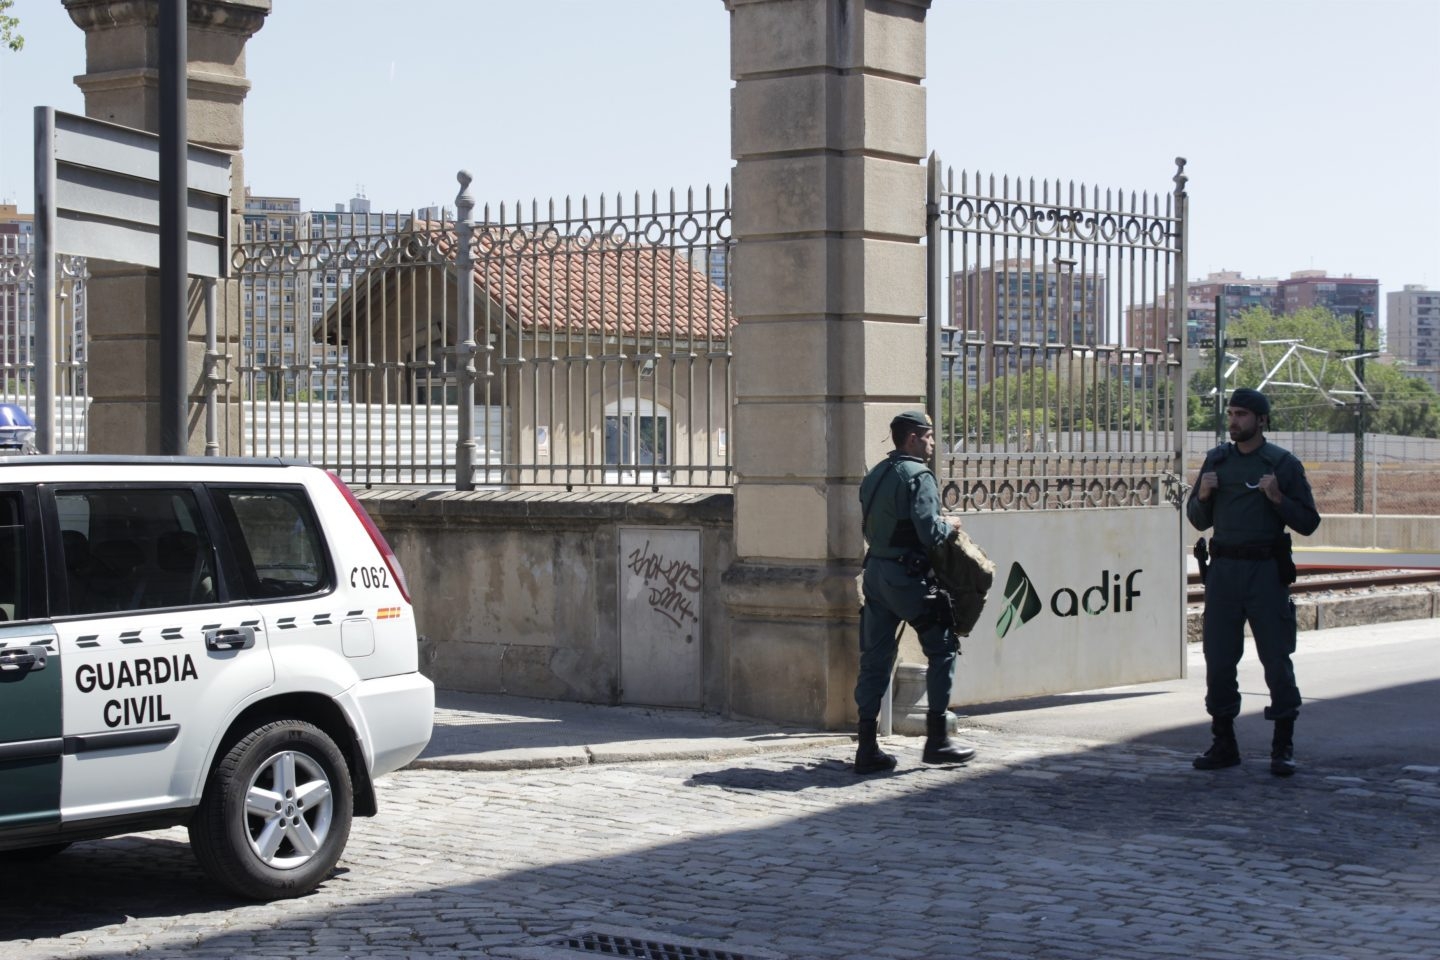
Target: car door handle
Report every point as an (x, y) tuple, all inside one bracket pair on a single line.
[(22, 658), (230, 638)]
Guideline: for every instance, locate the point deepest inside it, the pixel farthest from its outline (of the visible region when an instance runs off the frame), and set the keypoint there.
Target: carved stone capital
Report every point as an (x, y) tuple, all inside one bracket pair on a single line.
[(243, 17)]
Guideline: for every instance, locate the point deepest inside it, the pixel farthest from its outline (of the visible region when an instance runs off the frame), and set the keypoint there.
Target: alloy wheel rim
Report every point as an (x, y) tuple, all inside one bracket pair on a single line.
[(289, 809)]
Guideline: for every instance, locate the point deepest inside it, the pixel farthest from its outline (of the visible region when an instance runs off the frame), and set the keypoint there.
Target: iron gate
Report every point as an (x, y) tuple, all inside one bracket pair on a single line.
[(597, 353), (1057, 321), (17, 338)]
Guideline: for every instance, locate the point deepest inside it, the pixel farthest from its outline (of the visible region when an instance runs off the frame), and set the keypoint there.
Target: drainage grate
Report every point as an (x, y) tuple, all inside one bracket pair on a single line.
[(610, 946)]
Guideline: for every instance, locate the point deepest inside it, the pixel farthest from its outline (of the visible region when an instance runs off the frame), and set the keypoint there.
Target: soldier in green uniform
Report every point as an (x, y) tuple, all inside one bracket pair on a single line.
[(1249, 491), (900, 504)]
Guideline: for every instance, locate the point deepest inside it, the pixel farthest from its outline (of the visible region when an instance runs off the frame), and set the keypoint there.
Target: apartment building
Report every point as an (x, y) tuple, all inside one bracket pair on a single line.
[(1342, 295), (1412, 331), (326, 250), (1029, 312)]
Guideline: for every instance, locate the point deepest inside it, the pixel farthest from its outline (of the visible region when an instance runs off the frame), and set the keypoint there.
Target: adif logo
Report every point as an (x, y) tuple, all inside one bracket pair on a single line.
[(1022, 600), (1021, 603)]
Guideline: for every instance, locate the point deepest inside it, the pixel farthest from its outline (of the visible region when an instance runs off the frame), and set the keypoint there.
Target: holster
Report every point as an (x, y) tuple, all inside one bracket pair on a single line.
[(1202, 557), (1284, 559)]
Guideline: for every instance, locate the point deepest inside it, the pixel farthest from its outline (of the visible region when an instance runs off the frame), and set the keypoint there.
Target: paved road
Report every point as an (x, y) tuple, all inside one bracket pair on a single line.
[(1063, 840)]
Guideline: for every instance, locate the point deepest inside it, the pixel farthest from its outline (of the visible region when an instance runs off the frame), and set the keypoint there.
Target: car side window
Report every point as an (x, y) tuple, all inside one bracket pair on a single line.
[(14, 592), (128, 549), (277, 541)]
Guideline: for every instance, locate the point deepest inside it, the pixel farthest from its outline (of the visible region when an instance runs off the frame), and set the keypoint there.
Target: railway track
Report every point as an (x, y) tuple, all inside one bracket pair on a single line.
[(1323, 579)]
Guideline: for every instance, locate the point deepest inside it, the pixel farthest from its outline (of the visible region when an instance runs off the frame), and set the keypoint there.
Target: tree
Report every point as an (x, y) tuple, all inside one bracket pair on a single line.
[(1305, 405), (10, 27), (1404, 405), (1032, 409)]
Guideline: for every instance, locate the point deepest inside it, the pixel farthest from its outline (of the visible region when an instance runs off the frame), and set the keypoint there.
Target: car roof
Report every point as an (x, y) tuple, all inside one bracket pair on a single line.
[(112, 460)]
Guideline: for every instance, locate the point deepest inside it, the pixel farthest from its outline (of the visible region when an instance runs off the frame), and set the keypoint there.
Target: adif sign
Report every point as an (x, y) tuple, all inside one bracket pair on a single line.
[(1082, 599)]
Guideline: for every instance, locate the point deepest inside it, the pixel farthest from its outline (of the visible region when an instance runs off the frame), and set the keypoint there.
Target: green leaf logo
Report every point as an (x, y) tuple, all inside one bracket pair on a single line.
[(1021, 601)]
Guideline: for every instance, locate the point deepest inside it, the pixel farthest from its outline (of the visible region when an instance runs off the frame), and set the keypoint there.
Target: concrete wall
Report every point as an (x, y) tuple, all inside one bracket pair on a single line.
[(1390, 532), (519, 592)]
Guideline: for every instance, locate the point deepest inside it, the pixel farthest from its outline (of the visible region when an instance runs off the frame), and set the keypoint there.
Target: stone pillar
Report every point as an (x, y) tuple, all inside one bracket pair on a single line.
[(828, 136), (122, 85)]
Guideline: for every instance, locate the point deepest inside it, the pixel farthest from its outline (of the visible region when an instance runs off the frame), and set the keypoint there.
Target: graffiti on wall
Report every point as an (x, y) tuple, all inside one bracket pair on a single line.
[(661, 606), (670, 584)]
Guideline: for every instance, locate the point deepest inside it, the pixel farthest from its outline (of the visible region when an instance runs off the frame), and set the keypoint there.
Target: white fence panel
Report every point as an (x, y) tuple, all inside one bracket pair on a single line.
[(371, 443)]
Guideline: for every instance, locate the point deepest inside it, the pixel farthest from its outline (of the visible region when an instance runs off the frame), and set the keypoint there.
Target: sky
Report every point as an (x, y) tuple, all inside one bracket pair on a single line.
[(1308, 125)]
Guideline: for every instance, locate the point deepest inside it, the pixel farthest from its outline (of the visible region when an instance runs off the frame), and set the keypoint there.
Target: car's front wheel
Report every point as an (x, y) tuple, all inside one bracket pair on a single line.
[(276, 813)]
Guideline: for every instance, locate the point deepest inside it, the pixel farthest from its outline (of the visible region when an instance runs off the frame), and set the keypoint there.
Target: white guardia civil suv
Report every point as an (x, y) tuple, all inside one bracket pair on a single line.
[(222, 643)]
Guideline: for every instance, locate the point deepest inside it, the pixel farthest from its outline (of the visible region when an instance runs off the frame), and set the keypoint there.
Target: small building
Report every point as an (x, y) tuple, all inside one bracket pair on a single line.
[(599, 359)]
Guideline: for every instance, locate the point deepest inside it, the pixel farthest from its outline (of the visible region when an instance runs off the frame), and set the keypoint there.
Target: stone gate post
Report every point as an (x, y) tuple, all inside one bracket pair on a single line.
[(828, 131), (122, 85)]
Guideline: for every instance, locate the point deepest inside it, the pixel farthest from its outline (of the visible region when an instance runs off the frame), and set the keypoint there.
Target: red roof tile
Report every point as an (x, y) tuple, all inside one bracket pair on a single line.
[(547, 282)]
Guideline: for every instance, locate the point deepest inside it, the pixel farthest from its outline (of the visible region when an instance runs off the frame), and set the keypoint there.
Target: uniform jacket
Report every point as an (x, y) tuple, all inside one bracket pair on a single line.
[(901, 504), (1233, 510)]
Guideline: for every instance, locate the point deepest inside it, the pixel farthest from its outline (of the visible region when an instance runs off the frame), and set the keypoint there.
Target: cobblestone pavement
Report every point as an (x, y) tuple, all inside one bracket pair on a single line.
[(1044, 847)]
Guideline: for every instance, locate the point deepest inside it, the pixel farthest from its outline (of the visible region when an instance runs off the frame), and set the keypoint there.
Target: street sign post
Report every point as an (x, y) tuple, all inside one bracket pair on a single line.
[(98, 194)]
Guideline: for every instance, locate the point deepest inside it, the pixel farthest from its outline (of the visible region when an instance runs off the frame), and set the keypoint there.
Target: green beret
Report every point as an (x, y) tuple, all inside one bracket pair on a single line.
[(1252, 400), (912, 420)]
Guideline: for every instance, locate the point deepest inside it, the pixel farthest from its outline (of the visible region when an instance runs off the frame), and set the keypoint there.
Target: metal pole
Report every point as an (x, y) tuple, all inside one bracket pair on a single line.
[(1219, 369), (1180, 411), (1374, 499), (885, 722), (173, 191), (212, 379), (932, 303), (465, 349), (1359, 496), (44, 373)]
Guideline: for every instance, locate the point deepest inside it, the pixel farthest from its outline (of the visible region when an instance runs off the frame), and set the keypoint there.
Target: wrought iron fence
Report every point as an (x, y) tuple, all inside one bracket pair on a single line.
[(17, 338), (1055, 313), (600, 351)]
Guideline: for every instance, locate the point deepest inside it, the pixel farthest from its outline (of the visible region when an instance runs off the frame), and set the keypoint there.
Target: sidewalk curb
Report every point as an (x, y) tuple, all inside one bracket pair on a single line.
[(539, 758)]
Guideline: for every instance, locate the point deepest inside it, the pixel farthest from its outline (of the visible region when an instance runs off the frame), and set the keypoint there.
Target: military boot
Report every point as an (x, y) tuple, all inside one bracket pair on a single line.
[(869, 758), (1224, 752), (1282, 748), (939, 748)]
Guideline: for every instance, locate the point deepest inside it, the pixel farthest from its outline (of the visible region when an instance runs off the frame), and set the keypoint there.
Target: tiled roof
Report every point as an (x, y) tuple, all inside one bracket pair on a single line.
[(551, 282), (546, 282)]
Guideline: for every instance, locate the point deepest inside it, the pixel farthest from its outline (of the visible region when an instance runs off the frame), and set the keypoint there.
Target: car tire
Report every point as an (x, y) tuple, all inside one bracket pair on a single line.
[(275, 813)]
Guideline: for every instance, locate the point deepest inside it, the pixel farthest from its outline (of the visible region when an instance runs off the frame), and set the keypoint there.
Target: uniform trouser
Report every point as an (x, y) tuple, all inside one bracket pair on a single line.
[(891, 595), (1237, 591)]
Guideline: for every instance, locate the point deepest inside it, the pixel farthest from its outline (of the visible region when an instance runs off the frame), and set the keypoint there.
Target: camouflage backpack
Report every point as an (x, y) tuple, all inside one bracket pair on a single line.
[(966, 574)]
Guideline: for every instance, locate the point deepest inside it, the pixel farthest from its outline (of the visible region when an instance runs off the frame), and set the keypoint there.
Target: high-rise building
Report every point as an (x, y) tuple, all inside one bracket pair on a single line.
[(17, 319), (1412, 328), (278, 332), (1029, 312), (1237, 294), (1342, 296), (714, 262), (17, 328)]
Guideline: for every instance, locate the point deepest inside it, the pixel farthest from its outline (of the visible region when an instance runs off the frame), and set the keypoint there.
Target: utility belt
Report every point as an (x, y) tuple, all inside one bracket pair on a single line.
[(1244, 551), (915, 562), (1279, 550)]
